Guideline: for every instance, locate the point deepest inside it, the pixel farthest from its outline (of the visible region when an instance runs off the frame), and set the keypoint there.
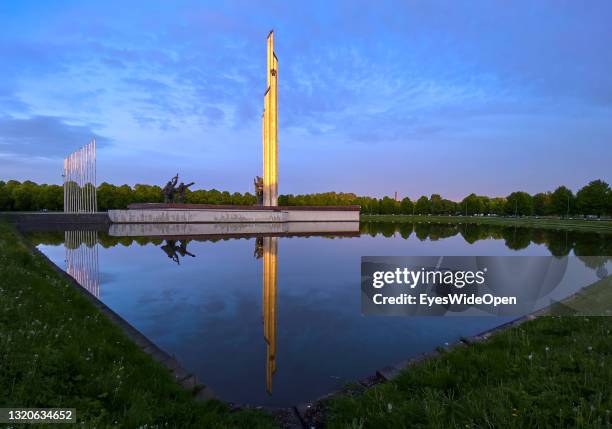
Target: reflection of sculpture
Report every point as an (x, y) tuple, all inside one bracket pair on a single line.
[(258, 183), (258, 252), (171, 190), (173, 251), (270, 251)]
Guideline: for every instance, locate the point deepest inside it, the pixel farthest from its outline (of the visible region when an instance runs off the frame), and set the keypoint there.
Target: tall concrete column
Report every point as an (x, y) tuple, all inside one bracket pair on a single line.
[(270, 128)]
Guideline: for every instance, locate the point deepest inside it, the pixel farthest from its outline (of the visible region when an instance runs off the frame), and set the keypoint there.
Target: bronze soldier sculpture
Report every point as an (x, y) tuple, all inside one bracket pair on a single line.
[(258, 182), (181, 191), (168, 190), (171, 192)]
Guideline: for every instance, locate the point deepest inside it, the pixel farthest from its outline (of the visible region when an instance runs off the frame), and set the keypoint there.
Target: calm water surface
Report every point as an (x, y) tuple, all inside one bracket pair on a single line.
[(204, 301)]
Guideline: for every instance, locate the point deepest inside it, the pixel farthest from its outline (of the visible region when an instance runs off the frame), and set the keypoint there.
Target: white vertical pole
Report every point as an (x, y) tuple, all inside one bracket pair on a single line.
[(73, 180), (64, 184), (95, 182), (81, 202), (70, 182), (84, 151), (89, 176), (86, 169), (93, 175), (76, 181), (67, 185), (80, 165), (73, 174), (80, 152)]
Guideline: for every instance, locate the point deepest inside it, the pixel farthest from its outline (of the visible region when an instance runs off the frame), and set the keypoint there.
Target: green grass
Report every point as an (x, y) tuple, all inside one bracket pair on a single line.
[(551, 372), (545, 223), (595, 299), (58, 350)]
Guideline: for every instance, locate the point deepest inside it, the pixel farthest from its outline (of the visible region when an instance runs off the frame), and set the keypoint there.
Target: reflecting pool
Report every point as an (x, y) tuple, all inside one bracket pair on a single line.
[(276, 319)]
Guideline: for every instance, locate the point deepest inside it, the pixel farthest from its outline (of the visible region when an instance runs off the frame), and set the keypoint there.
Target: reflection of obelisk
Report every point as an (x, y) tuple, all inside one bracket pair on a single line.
[(270, 251), (270, 129)]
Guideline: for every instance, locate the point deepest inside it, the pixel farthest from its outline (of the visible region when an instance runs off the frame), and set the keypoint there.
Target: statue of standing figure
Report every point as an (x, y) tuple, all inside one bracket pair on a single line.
[(168, 190), (172, 193), (181, 191), (258, 182)]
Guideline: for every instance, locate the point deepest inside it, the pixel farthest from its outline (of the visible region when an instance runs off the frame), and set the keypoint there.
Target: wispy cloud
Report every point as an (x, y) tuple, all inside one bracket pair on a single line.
[(43, 136), (397, 75)]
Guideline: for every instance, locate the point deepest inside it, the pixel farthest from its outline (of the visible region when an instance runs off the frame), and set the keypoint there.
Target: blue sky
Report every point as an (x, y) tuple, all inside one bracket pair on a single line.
[(419, 97)]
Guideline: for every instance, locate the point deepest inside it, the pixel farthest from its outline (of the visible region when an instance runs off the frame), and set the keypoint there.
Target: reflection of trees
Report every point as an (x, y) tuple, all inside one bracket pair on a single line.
[(517, 238), (405, 229), (594, 250), (558, 243), (53, 238), (442, 230), (594, 262), (370, 228), (387, 229), (538, 236), (470, 232), (421, 230), (364, 227), (593, 244)]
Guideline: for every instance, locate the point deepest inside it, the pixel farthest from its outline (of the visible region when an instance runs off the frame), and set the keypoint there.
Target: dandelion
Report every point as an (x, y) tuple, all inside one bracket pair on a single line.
[(389, 407), (530, 356)]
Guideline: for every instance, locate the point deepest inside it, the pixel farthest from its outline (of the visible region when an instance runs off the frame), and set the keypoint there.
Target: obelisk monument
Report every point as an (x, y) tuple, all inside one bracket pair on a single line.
[(270, 129)]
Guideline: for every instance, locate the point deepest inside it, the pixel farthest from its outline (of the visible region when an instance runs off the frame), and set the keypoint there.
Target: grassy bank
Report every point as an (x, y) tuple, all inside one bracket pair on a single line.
[(564, 224), (554, 371), (57, 350)]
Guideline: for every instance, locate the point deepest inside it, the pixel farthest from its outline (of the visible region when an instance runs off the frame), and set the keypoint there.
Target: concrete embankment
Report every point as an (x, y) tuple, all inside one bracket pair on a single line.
[(51, 221)]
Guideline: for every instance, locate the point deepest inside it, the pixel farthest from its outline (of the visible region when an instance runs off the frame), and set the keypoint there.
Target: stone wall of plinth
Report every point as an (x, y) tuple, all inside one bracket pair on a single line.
[(231, 215), (233, 229), (195, 216)]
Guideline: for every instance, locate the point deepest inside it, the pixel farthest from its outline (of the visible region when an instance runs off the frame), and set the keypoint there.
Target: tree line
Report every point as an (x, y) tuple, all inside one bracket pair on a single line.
[(515, 237), (594, 198)]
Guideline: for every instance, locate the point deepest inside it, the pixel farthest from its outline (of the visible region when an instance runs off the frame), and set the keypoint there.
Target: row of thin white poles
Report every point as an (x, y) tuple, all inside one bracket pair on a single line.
[(82, 259), (80, 180)]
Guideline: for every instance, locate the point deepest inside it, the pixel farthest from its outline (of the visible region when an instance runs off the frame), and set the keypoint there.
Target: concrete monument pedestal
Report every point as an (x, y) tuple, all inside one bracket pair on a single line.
[(207, 213)]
